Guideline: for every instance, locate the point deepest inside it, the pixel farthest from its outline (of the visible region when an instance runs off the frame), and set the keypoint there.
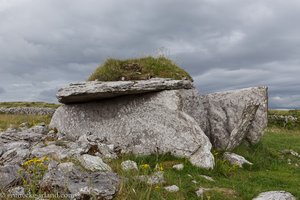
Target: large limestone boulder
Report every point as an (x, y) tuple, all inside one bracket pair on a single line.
[(235, 116), (95, 90), (159, 122)]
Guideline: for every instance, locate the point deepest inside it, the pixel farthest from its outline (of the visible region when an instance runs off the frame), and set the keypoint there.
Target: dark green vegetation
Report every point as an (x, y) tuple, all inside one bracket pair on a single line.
[(138, 69), (28, 104), (271, 169)]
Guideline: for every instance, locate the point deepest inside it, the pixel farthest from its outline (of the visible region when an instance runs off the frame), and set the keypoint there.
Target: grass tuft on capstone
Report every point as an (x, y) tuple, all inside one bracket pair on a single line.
[(139, 69)]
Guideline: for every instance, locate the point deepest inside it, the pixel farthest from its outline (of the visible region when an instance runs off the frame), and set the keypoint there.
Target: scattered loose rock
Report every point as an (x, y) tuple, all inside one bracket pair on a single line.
[(156, 178), (207, 178), (93, 163), (93, 142), (172, 188), (235, 159), (275, 195), (178, 167), (129, 165), (226, 191), (292, 152), (200, 192)]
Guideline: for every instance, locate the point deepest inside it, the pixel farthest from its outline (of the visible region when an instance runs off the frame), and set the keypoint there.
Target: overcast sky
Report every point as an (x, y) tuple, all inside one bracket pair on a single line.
[(223, 44)]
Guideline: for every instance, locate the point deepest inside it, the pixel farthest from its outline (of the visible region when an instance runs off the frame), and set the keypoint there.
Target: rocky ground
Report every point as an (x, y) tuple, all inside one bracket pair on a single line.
[(42, 159), (36, 160)]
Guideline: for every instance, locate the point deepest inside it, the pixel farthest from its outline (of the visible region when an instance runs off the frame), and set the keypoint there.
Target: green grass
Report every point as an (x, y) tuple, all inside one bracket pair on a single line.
[(138, 69), (269, 172), (28, 104), (8, 120)]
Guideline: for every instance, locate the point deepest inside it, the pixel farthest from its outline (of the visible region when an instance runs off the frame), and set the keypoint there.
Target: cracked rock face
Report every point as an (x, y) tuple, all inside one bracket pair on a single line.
[(95, 90), (80, 184), (15, 144), (158, 122), (235, 116), (20, 145), (9, 176)]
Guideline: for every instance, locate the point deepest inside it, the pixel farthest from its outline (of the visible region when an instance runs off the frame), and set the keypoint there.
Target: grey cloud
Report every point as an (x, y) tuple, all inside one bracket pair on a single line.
[(2, 90), (223, 44)]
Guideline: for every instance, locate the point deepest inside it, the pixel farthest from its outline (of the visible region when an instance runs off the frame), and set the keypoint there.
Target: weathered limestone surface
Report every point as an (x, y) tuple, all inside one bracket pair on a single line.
[(142, 124), (20, 145), (235, 159), (9, 176), (15, 144), (235, 116), (95, 90), (275, 195), (80, 184)]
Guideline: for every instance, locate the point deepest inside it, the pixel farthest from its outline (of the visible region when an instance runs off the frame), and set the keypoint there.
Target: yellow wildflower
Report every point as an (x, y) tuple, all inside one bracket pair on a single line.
[(41, 165), (145, 166), (27, 163), (37, 160), (45, 158), (159, 167)]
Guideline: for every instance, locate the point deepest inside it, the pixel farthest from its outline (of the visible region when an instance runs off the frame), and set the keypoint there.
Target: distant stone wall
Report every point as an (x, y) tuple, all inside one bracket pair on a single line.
[(286, 121), (285, 118), (28, 111)]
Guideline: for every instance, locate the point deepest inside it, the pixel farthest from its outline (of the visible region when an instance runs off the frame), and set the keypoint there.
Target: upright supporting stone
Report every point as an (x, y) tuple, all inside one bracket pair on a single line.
[(236, 116)]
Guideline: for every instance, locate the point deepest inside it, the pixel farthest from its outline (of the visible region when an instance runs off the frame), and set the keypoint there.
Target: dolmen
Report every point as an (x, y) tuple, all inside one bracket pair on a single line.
[(162, 116)]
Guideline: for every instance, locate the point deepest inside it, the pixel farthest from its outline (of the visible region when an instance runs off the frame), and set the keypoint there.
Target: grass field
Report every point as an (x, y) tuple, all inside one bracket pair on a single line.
[(8, 120), (271, 169)]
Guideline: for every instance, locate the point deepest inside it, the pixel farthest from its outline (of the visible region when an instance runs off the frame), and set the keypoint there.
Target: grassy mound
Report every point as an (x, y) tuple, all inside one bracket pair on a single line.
[(138, 69)]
